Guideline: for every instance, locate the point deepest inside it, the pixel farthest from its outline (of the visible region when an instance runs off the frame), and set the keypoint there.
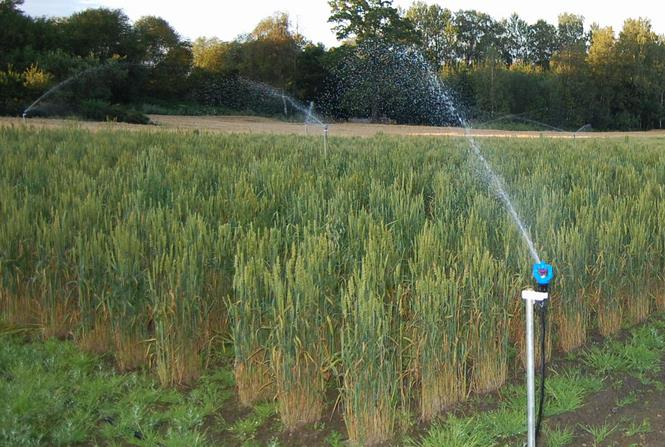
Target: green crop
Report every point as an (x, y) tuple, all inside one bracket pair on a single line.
[(386, 275)]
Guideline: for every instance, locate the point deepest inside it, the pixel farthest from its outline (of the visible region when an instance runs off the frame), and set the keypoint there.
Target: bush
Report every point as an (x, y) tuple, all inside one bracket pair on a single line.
[(102, 111)]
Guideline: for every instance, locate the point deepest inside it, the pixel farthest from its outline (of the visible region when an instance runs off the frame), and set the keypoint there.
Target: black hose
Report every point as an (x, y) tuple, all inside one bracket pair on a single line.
[(543, 320)]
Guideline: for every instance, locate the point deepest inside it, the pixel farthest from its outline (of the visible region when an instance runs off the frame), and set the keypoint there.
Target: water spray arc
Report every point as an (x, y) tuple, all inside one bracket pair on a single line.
[(71, 79), (542, 273), (308, 111)]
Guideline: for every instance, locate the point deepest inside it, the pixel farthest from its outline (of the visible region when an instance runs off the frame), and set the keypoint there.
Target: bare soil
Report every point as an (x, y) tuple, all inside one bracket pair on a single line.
[(253, 124)]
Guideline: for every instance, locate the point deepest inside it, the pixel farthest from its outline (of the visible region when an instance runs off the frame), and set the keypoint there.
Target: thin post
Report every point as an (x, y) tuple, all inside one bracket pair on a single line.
[(325, 141), (530, 297), (530, 376)]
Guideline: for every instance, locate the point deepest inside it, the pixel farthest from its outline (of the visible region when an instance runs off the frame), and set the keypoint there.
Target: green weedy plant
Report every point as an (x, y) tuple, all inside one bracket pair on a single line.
[(660, 248), (176, 289), (485, 286), (217, 287), (641, 272), (369, 356), (439, 319), (610, 270), (55, 297), (249, 312), (127, 301), (438, 329), (17, 239), (94, 331), (301, 338), (571, 249)]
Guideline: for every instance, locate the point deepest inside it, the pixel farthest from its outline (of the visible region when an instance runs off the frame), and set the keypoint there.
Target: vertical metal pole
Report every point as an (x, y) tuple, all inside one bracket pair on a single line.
[(530, 376), (325, 141), (24, 116)]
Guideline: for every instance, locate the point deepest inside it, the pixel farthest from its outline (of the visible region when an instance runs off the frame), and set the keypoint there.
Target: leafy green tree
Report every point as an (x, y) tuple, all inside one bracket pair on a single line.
[(211, 54), (637, 51), (155, 39), (100, 32), (436, 32), (13, 24), (516, 42), (542, 43), (570, 33), (310, 77), (601, 60), (166, 57), (477, 33), (370, 20), (270, 52)]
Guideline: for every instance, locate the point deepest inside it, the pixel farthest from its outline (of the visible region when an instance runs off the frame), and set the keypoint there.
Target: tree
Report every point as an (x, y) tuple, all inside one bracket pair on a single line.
[(601, 60), (542, 43), (311, 75), (166, 56), (13, 25), (210, 54), (155, 39), (100, 32), (517, 39), (370, 20), (379, 80), (570, 33), (270, 52), (637, 60), (477, 32), (436, 32)]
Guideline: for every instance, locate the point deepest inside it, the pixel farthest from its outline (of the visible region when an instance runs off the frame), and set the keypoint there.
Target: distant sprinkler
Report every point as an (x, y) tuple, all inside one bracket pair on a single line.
[(25, 114), (325, 141)]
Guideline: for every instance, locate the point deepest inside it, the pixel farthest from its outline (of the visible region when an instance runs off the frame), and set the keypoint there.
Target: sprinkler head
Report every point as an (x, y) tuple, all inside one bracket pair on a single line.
[(543, 273)]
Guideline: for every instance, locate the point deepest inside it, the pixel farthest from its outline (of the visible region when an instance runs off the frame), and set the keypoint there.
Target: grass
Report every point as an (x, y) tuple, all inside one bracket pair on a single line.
[(599, 432), (565, 392), (637, 429), (629, 399), (559, 437), (53, 394), (640, 356), (245, 429)]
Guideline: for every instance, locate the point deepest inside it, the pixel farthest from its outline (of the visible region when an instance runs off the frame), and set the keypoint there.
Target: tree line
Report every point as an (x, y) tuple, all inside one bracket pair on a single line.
[(566, 75)]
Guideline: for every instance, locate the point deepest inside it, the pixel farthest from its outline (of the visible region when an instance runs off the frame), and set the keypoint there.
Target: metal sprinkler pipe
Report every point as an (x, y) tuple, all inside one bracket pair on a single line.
[(543, 274), (325, 141), (24, 116)]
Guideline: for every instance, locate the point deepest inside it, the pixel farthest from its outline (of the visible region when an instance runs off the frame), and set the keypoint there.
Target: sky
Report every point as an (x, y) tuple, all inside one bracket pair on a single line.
[(227, 19)]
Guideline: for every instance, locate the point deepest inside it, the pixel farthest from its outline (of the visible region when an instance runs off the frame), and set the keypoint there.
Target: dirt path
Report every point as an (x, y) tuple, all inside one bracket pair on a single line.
[(252, 124)]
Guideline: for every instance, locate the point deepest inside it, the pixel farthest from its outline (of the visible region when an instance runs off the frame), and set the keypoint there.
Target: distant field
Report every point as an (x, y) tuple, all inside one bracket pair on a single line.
[(253, 124)]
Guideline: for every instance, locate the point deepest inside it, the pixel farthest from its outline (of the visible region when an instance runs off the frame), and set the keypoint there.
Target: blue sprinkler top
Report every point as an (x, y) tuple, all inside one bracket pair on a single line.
[(543, 273)]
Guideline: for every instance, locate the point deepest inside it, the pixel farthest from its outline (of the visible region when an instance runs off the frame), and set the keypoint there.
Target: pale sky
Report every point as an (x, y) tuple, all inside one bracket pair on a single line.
[(227, 19)]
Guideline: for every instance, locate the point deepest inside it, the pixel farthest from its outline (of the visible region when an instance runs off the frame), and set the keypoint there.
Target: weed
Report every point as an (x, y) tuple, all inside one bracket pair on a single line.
[(635, 429), (559, 437), (599, 432)]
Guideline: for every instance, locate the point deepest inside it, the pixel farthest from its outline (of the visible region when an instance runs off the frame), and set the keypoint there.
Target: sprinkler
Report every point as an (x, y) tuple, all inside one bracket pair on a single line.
[(325, 141), (25, 114), (543, 273)]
